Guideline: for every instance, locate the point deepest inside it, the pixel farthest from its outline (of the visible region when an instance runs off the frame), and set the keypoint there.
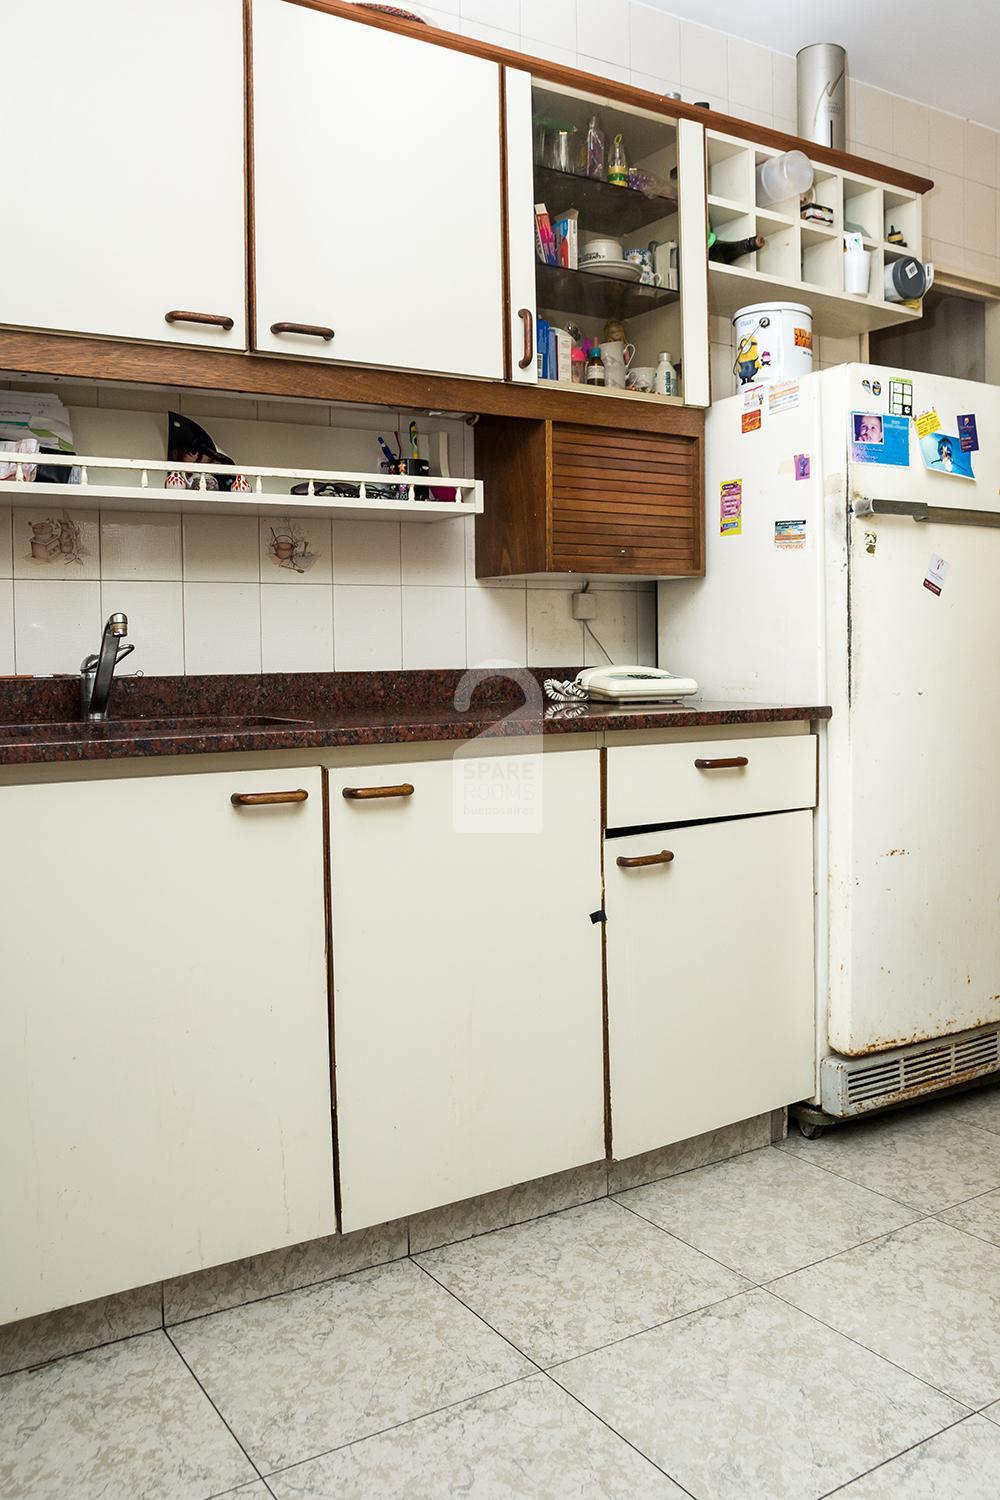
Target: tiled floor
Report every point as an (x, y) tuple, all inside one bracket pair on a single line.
[(817, 1318)]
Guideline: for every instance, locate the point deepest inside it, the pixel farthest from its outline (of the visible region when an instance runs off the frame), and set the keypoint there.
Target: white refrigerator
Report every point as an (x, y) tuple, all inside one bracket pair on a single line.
[(853, 558)]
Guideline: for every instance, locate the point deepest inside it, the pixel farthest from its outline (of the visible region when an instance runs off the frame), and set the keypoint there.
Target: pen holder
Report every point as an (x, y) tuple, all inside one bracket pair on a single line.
[(419, 466)]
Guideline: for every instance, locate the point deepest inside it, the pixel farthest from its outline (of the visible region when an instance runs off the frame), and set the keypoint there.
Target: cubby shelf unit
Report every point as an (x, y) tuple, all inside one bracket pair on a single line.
[(124, 484), (803, 261)]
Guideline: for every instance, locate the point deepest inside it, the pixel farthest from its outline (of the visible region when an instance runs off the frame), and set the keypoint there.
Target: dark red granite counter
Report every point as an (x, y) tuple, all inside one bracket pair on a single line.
[(39, 717)]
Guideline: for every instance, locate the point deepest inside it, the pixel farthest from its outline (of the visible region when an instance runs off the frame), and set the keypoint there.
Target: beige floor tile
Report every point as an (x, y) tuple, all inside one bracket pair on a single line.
[(70, 1330), (302, 1373), (979, 1216), (576, 1280), (960, 1464), (750, 1400)]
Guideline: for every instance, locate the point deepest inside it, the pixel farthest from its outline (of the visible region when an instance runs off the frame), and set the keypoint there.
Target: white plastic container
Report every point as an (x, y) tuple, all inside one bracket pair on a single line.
[(774, 342), (857, 272), (781, 177)]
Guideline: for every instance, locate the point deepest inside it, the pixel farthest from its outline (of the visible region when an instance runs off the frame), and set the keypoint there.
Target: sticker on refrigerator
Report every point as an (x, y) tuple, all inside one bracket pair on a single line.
[(937, 572), (927, 422), (802, 466), (731, 507), (878, 439), (942, 454), (790, 536), (753, 408), (783, 397), (968, 437), (901, 397)]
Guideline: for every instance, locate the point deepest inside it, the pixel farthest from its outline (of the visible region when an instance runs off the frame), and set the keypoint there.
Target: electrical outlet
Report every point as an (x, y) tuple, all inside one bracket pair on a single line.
[(584, 606)]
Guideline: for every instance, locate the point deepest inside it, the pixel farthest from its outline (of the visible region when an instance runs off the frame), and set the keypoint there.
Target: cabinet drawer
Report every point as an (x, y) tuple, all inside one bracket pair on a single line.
[(679, 783)]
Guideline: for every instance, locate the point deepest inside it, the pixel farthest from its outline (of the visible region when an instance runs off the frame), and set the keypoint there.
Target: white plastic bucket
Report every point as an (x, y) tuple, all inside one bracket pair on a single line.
[(774, 341)]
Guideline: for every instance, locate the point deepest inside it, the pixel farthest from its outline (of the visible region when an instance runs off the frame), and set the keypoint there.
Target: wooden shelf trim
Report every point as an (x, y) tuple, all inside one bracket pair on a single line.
[(626, 93)]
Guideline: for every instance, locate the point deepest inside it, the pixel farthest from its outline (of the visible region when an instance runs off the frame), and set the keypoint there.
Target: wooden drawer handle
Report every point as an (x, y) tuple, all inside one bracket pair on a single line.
[(729, 763), (366, 793), (639, 861), (314, 330), (528, 324), (218, 320), (266, 799)]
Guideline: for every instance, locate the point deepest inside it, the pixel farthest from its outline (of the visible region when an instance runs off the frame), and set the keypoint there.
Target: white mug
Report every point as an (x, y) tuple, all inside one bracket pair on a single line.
[(641, 378), (616, 357)]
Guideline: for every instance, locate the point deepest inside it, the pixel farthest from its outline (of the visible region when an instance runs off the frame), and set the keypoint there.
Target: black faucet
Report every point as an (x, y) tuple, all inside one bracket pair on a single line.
[(97, 672)]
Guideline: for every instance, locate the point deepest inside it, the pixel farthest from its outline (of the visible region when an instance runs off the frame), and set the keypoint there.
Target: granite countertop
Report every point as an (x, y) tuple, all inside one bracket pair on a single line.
[(39, 717)]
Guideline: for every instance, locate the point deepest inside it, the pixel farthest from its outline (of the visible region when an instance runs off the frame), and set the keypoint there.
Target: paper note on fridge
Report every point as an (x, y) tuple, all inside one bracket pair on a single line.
[(878, 438), (937, 572), (942, 453)]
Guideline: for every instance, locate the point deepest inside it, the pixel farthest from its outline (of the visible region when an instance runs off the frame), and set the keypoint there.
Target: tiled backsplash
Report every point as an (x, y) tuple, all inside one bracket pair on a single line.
[(208, 593)]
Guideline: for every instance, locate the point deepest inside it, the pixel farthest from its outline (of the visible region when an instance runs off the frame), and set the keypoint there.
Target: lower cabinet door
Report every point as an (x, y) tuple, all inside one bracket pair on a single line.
[(164, 1058), (467, 977), (711, 1008)]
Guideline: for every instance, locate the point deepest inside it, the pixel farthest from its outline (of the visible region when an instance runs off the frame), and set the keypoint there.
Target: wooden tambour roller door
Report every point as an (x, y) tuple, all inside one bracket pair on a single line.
[(625, 501)]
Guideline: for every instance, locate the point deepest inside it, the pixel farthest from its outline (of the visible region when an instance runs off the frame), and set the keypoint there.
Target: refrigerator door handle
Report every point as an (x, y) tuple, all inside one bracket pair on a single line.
[(919, 510)]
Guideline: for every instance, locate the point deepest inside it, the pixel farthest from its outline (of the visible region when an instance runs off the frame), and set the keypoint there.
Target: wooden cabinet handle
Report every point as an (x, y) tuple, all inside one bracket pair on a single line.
[(728, 764), (640, 861), (528, 324), (315, 330), (218, 320), (267, 799), (366, 793)]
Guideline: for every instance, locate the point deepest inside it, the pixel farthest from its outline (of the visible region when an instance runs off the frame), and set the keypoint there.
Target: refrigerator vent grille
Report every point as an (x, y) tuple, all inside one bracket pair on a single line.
[(853, 1085)]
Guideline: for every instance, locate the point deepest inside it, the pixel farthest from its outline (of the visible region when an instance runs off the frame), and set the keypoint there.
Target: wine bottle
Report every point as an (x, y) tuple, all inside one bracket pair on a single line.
[(729, 250)]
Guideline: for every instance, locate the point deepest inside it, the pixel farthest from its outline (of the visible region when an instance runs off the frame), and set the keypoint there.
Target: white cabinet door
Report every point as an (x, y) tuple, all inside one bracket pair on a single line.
[(164, 1059), (377, 196), (467, 978), (693, 253), (711, 998), (126, 127), (521, 227)]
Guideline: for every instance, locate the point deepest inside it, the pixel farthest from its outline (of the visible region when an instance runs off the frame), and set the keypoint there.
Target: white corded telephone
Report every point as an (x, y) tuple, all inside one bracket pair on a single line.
[(634, 684)]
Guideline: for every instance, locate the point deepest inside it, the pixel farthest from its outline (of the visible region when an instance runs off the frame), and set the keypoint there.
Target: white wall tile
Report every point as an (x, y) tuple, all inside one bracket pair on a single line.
[(654, 41), (6, 542), (155, 624), (910, 130), (296, 629), (221, 549), (704, 61), (496, 626), (985, 267), (56, 624), (750, 70), (980, 218), (494, 35), (446, 20), (945, 143), (944, 208), (618, 71), (615, 626), (783, 76), (602, 28), (56, 543), (945, 256), (367, 628), (296, 549), (433, 626), (980, 154), (7, 627), (138, 545), (367, 551), (872, 112), (552, 21), (221, 627), (503, 13), (655, 84), (566, 56), (646, 629), (555, 639), (433, 552)]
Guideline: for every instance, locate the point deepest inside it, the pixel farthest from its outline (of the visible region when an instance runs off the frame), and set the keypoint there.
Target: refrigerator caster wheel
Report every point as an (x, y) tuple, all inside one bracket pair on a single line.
[(811, 1131)]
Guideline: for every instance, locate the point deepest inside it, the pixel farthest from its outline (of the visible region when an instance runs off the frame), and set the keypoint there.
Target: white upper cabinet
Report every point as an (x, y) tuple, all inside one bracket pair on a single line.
[(377, 189), (124, 129)]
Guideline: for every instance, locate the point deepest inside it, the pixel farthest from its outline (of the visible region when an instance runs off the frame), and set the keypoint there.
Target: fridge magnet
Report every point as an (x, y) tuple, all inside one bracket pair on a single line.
[(937, 572), (942, 454), (783, 397), (878, 439), (901, 396), (802, 465), (731, 507), (871, 542), (968, 437), (753, 407), (750, 421), (873, 387), (927, 422), (790, 536)]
